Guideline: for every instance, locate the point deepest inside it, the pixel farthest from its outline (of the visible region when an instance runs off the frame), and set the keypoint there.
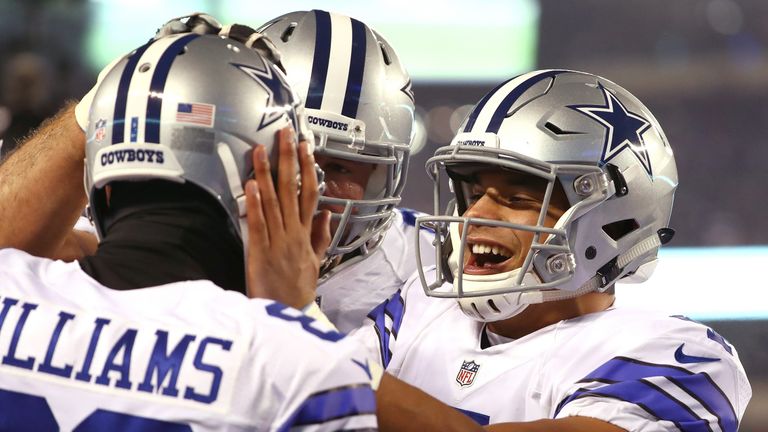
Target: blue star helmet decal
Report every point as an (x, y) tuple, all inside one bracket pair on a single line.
[(280, 94), (623, 129)]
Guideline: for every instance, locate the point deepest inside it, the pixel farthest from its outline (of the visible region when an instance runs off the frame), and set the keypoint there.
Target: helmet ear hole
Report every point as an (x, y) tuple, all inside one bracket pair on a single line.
[(288, 32), (385, 54), (619, 229)]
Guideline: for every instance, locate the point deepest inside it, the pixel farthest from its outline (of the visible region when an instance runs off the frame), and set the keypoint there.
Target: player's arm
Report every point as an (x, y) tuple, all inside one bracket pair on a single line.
[(568, 424), (402, 407), (41, 190)]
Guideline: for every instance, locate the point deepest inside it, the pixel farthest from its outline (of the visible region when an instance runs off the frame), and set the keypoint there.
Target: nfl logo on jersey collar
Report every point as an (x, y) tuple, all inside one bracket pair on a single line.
[(467, 373)]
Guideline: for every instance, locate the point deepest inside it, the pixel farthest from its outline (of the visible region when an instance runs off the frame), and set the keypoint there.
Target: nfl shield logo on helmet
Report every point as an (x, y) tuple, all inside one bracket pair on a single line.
[(466, 375), (101, 127)]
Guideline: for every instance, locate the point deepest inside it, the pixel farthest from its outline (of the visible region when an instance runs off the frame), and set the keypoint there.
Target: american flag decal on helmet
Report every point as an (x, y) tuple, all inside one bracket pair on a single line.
[(467, 373)]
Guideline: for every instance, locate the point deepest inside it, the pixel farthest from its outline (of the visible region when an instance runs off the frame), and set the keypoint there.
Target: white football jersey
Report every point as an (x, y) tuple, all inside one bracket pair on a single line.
[(639, 370), (353, 290), (187, 356)]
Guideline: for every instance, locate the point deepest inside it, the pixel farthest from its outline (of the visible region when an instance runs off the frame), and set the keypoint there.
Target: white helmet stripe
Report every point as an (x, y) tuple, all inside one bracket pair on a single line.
[(339, 61), (489, 114)]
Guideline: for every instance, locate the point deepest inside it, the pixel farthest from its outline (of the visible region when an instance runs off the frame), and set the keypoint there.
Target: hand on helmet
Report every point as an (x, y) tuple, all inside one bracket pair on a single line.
[(202, 23), (286, 242)]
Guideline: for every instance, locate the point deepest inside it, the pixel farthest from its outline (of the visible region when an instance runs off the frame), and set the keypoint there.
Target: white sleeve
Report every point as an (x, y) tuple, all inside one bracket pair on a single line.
[(83, 224), (665, 383)]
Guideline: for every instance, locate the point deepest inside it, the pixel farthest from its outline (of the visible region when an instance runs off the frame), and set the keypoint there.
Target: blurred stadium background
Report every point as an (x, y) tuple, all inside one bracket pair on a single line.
[(700, 65)]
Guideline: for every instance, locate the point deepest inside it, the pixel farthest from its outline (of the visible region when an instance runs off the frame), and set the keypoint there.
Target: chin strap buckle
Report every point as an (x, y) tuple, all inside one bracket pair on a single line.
[(608, 273)]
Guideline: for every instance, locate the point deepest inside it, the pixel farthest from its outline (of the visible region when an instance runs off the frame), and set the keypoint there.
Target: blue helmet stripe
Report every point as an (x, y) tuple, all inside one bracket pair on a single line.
[(480, 105), (333, 404), (121, 101), (356, 69), (511, 98), (320, 61), (157, 86)]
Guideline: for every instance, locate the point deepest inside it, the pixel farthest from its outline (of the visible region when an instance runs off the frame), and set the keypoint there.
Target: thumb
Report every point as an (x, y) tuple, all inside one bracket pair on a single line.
[(321, 233)]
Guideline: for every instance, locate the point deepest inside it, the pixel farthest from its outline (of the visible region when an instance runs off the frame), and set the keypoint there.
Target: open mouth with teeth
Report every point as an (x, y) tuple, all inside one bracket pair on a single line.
[(487, 258)]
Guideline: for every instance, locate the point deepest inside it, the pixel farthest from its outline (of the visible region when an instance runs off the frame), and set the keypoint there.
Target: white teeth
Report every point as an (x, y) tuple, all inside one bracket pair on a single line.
[(486, 249)]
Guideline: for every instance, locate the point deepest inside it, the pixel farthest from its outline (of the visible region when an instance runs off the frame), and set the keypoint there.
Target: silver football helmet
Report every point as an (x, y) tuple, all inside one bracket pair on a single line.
[(359, 104), (611, 158), (186, 108)]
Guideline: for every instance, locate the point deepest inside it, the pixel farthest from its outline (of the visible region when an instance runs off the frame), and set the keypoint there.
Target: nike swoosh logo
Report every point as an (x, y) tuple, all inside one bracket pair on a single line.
[(685, 358)]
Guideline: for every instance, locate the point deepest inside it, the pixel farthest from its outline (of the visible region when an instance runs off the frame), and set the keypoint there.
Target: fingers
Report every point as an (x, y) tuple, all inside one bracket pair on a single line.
[(258, 237), (269, 202), (286, 178), (321, 233), (309, 190)]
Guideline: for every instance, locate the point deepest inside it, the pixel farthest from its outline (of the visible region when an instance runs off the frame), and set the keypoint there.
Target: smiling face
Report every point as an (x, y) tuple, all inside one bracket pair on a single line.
[(506, 196)]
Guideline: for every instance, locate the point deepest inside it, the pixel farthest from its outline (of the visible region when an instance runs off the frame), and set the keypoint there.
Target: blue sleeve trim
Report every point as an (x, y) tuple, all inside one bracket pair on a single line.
[(626, 379), (394, 308), (481, 419), (334, 404)]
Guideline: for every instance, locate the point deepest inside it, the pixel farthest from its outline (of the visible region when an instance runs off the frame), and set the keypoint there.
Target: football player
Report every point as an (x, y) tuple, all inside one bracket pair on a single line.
[(360, 107), (359, 104), (153, 331), (563, 184)]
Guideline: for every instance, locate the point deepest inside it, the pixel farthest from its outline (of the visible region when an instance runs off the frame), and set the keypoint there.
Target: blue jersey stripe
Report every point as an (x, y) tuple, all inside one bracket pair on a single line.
[(480, 105), (320, 60), (333, 404), (623, 371), (121, 100), (701, 387), (394, 308), (657, 403), (481, 419), (356, 70), (501, 111), (377, 315), (157, 86)]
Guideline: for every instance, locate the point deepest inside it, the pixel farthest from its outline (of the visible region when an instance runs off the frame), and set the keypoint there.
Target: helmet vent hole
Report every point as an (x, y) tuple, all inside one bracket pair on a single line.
[(288, 32), (385, 54), (556, 130), (145, 67), (493, 306), (619, 229), (477, 311)]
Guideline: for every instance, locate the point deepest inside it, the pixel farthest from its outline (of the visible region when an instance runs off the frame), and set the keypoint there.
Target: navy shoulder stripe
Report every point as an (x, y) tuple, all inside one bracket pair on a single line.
[(627, 381), (394, 308), (333, 404)]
